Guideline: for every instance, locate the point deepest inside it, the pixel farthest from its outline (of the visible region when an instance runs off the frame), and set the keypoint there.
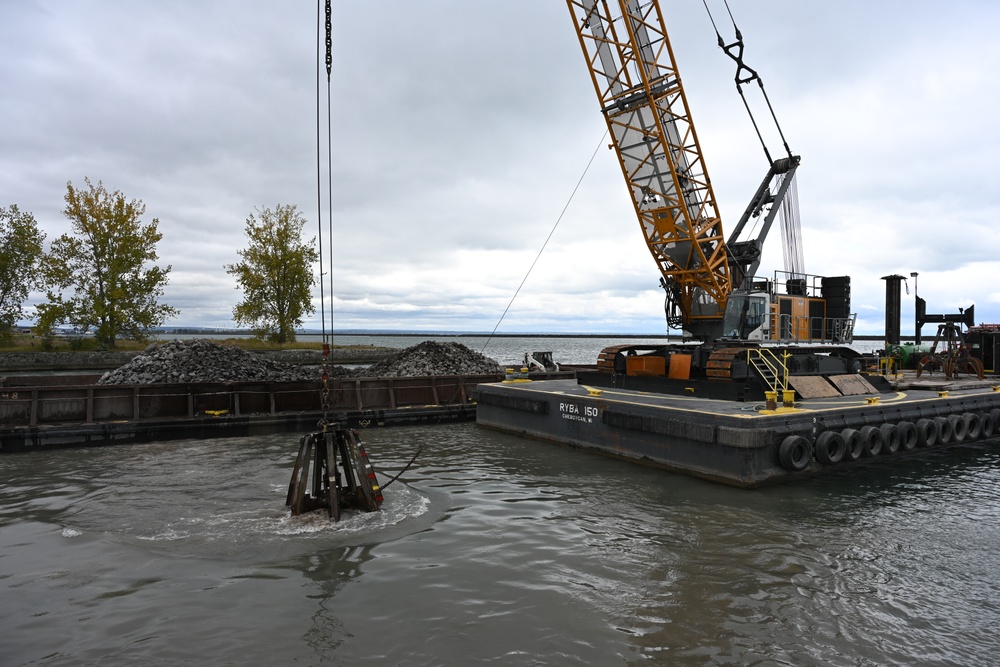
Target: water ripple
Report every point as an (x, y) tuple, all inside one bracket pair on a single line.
[(495, 550)]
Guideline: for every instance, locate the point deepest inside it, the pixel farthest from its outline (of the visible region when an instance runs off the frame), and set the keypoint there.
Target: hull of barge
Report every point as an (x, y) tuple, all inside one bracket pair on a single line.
[(73, 411), (734, 442)]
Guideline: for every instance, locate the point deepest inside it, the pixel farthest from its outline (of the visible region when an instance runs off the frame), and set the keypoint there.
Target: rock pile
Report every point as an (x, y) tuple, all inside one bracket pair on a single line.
[(205, 361), (433, 358)]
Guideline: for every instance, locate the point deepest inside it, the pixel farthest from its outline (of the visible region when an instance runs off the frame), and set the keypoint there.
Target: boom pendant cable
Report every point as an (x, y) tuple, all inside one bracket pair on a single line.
[(746, 74), (791, 225)]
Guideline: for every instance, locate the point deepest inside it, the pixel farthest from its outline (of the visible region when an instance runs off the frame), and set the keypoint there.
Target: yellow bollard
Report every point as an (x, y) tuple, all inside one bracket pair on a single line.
[(788, 398)]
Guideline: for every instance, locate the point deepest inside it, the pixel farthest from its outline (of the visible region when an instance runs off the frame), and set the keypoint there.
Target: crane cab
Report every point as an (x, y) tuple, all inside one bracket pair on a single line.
[(747, 316), (808, 309)]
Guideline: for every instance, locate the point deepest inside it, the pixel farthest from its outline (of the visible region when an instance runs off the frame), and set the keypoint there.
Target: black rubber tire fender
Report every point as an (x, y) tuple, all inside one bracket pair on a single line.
[(830, 448), (973, 426), (959, 429), (853, 447), (907, 436), (890, 438), (995, 416), (945, 430), (871, 439), (987, 425), (794, 453), (927, 432)]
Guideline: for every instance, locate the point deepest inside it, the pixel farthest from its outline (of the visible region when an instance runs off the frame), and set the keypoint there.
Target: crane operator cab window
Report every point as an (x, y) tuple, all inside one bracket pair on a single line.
[(746, 315)]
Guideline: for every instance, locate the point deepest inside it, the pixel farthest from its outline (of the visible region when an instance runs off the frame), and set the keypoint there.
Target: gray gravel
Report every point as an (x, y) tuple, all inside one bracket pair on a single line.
[(205, 361), (433, 358)]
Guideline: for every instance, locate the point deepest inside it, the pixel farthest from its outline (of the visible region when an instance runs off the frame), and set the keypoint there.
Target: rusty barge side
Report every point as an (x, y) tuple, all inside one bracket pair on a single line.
[(73, 411)]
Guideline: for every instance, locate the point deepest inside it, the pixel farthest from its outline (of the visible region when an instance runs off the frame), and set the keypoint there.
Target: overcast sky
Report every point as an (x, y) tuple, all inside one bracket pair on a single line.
[(460, 129)]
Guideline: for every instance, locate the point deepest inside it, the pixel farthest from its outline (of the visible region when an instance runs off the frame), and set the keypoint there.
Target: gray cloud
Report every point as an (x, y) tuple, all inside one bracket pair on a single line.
[(461, 128)]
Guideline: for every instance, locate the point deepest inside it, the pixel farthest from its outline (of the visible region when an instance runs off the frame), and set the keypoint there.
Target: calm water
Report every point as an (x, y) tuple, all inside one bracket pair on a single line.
[(509, 349), (492, 550)]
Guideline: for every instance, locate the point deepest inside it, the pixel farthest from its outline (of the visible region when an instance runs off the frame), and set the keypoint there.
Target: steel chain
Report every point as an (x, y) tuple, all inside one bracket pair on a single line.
[(325, 391)]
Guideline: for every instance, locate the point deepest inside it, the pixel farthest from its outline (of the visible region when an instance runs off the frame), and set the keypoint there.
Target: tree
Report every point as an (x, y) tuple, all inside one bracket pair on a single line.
[(275, 273), (20, 253), (103, 267)]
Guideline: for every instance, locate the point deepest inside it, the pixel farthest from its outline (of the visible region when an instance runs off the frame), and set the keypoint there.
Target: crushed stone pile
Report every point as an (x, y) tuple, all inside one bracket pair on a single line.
[(203, 361), (206, 361), (432, 358)]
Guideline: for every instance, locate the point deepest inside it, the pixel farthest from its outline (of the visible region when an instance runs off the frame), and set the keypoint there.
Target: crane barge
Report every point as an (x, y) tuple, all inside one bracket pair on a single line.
[(712, 291), (683, 406)]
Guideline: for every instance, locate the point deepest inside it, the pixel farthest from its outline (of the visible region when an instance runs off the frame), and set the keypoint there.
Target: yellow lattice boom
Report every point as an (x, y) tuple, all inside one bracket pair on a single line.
[(632, 66)]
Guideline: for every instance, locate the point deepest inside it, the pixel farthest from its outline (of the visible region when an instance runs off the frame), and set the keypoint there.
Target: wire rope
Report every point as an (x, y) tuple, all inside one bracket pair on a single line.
[(329, 155), (546, 242), (319, 179)]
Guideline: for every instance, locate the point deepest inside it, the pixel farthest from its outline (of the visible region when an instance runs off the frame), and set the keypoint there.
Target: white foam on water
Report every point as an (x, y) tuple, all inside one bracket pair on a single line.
[(71, 532), (168, 535), (401, 504)]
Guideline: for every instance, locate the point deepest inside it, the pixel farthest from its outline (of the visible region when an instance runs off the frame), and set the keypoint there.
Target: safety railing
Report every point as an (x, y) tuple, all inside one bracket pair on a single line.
[(772, 369), (804, 329)]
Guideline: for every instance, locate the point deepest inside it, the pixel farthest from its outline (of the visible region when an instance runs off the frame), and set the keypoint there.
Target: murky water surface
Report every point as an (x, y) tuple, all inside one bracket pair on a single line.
[(492, 550)]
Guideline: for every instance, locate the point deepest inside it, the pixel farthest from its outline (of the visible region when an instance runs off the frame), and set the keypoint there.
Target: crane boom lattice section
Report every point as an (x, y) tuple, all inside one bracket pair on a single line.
[(632, 66)]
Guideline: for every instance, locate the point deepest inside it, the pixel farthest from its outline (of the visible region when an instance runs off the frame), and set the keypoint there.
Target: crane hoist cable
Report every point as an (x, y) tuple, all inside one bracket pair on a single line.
[(324, 21), (329, 153), (324, 28), (319, 157)]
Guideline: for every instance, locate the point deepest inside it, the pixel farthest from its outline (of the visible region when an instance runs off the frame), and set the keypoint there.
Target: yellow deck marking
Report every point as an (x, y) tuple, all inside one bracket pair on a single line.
[(627, 397)]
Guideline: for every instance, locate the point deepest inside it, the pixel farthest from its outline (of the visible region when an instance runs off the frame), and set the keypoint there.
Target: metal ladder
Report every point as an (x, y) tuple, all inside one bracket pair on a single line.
[(769, 367)]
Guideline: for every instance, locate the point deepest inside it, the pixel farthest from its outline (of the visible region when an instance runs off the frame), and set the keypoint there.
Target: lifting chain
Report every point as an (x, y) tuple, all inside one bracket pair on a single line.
[(325, 391), (329, 39)]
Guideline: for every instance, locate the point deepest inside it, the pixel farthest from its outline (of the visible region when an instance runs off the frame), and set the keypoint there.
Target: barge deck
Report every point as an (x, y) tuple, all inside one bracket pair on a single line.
[(743, 444)]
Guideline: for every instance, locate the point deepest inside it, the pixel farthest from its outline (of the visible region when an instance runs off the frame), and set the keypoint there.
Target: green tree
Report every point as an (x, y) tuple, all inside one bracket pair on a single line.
[(97, 279), (275, 274), (20, 253)]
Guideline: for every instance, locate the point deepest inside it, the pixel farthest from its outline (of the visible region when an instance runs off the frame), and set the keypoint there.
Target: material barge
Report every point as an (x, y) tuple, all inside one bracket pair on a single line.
[(71, 411)]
